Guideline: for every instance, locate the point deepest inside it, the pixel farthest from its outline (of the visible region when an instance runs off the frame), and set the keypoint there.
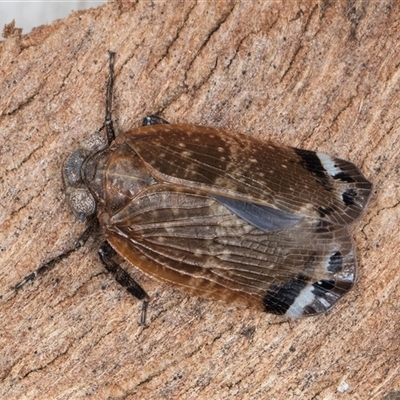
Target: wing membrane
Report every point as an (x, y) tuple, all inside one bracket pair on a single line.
[(297, 181), (187, 238)]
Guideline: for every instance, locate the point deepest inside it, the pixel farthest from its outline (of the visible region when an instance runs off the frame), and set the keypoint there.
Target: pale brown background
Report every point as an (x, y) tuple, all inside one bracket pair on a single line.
[(314, 74)]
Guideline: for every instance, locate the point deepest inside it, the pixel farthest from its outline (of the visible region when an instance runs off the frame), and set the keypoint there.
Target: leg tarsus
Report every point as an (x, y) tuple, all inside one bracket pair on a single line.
[(143, 313), (28, 278)]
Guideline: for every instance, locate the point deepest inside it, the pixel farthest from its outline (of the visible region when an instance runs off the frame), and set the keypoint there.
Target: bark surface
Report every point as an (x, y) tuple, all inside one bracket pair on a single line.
[(314, 74)]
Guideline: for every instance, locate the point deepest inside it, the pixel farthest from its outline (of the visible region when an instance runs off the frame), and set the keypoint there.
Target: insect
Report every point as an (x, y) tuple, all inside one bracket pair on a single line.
[(219, 215)]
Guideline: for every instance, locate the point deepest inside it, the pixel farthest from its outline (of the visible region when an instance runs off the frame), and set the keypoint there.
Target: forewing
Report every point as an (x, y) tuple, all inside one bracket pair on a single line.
[(297, 181), (192, 241)]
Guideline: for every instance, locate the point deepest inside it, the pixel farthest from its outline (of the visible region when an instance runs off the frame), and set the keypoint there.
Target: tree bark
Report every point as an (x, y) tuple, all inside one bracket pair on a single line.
[(311, 74)]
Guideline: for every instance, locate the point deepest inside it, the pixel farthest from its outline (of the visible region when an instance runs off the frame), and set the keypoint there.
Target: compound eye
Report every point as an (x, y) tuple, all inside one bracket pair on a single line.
[(95, 142), (82, 203), (72, 168)]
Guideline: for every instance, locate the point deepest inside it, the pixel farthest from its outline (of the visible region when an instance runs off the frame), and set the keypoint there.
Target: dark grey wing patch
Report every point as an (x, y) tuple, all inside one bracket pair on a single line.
[(266, 218)]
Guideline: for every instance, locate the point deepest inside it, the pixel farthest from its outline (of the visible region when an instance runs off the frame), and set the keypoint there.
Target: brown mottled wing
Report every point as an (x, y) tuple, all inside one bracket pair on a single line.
[(297, 181), (186, 238)]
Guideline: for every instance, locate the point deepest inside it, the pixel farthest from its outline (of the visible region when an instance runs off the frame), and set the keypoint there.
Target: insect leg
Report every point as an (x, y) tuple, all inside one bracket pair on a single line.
[(44, 268), (53, 262), (108, 119), (153, 120), (106, 253)]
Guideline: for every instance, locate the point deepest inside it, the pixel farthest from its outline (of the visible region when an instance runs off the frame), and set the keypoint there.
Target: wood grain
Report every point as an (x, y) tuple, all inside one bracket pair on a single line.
[(313, 74)]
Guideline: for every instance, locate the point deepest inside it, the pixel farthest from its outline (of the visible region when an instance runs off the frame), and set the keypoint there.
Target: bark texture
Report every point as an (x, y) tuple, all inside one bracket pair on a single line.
[(313, 74)]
